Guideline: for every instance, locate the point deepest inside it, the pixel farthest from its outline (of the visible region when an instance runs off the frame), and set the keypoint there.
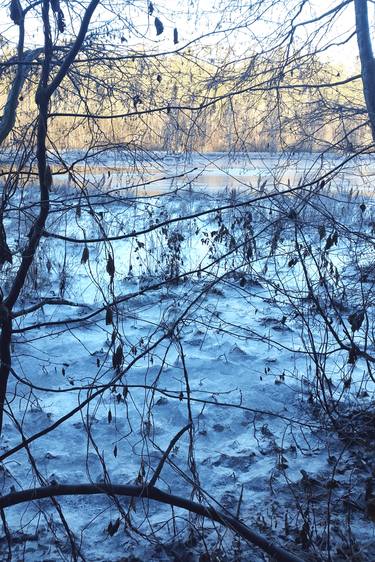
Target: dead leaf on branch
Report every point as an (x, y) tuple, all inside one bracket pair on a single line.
[(118, 357), (113, 527), (85, 255), (110, 267), (356, 320), (158, 26), (108, 316)]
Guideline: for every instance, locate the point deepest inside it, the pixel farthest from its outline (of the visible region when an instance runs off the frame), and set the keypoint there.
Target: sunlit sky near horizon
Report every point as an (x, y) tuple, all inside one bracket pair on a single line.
[(195, 18)]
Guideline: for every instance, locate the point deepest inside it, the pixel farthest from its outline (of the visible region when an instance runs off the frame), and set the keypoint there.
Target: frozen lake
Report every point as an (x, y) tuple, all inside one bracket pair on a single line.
[(152, 173), (160, 173)]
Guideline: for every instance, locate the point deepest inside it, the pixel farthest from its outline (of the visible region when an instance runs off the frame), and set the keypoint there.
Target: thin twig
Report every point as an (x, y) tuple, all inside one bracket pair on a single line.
[(166, 454)]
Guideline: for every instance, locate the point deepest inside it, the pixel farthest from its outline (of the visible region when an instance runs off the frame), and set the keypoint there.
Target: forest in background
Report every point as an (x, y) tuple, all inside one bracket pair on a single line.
[(204, 99)]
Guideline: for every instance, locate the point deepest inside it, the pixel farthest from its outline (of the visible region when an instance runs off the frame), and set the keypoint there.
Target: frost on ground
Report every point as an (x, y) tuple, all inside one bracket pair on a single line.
[(254, 324)]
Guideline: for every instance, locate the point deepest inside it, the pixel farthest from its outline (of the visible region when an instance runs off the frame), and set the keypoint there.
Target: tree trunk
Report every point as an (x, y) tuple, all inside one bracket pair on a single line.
[(5, 356), (367, 59)]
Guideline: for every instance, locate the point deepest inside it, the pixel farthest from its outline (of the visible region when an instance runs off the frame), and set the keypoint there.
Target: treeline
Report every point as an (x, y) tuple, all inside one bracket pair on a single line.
[(186, 102)]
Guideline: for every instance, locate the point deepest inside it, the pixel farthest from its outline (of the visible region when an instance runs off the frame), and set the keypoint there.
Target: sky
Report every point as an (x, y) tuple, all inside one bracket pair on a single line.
[(199, 17)]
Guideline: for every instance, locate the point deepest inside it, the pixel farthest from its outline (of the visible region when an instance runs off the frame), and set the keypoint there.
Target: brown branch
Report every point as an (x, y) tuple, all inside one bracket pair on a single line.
[(166, 454), (113, 381), (204, 105), (152, 493), (8, 118), (333, 10), (69, 59), (175, 395), (51, 301)]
